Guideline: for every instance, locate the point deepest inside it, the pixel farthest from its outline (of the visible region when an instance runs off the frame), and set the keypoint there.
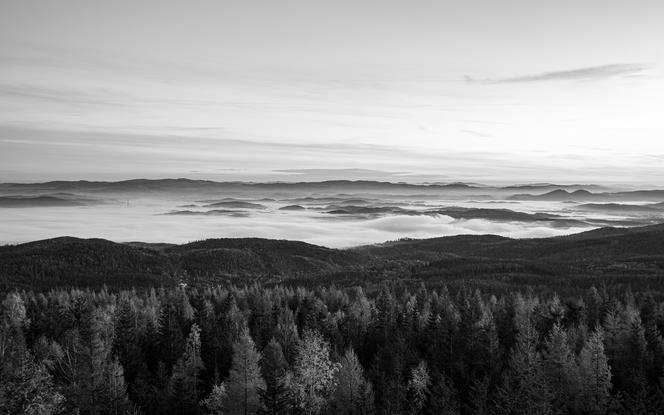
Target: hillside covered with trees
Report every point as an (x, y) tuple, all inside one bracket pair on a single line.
[(461, 325), (620, 257)]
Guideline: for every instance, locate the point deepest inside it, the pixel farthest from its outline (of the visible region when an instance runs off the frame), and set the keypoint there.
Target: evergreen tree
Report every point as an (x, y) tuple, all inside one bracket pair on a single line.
[(245, 379), (478, 398), (524, 390), (274, 396), (353, 394), (171, 341), (595, 375), (442, 399), (185, 378), (26, 386), (125, 342), (561, 369), (638, 359), (116, 400)]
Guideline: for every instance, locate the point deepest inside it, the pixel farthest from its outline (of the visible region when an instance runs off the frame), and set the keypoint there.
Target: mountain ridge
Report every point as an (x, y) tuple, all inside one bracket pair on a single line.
[(69, 261)]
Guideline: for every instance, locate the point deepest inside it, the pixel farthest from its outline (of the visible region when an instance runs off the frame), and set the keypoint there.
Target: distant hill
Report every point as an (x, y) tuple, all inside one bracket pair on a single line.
[(236, 204), (43, 201), (292, 207), (547, 187), (456, 212), (68, 261), (618, 208), (619, 242), (584, 195), (630, 255), (182, 185), (625, 255), (213, 212)]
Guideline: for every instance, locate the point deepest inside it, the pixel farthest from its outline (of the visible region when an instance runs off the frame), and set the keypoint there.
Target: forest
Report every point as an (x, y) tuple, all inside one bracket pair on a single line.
[(398, 348), (466, 325)]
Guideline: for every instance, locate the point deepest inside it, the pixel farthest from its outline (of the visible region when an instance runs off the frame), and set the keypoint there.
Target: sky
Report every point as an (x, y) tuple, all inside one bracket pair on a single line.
[(511, 91)]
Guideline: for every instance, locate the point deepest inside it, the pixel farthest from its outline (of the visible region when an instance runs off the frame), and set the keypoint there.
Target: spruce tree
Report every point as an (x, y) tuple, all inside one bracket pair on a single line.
[(186, 373), (353, 394), (561, 369), (125, 342), (245, 379), (524, 390), (26, 386), (274, 396), (595, 374)]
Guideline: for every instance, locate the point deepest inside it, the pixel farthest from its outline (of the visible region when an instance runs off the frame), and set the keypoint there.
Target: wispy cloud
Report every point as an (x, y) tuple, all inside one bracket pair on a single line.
[(477, 133), (346, 174), (588, 73), (99, 96)]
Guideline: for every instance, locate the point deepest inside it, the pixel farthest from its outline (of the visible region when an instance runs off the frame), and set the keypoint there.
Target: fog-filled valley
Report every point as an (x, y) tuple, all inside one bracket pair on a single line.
[(332, 213)]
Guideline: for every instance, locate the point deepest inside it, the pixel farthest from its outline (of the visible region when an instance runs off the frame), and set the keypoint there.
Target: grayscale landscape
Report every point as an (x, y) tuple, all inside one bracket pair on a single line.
[(341, 207)]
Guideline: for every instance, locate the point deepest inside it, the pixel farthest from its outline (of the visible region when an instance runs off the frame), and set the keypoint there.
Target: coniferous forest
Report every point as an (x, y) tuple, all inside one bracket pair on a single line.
[(396, 348)]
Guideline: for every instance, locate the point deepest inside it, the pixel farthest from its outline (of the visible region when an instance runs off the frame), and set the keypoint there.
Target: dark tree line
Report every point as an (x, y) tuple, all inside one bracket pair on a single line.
[(293, 350)]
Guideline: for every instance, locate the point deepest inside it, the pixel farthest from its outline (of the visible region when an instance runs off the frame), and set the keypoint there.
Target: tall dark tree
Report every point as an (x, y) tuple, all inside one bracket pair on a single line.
[(524, 390), (274, 395), (186, 375), (561, 370), (26, 386), (595, 375), (125, 342)]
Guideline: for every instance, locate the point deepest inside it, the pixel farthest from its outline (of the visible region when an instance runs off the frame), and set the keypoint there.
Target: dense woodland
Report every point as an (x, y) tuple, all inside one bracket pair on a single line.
[(462, 325), (400, 349)]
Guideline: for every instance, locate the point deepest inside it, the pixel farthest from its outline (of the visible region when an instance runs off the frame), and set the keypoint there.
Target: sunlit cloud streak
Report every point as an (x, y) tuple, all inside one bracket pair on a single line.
[(590, 73)]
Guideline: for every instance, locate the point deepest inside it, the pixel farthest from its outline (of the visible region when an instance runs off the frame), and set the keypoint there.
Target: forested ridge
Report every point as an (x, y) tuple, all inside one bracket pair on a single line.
[(620, 257), (462, 325)]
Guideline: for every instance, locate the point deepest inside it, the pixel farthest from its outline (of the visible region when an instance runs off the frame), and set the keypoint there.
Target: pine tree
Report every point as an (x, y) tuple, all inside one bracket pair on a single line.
[(524, 390), (185, 378), (26, 386), (595, 374), (115, 392), (442, 399), (561, 369), (274, 396), (125, 341), (478, 402), (638, 359), (245, 377), (171, 341), (353, 393)]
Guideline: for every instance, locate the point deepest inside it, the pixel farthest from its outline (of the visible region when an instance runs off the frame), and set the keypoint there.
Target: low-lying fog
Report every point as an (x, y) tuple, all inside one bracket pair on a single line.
[(333, 214)]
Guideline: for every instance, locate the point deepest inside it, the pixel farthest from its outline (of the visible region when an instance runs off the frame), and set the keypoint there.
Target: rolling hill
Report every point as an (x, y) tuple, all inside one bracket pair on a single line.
[(626, 255)]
